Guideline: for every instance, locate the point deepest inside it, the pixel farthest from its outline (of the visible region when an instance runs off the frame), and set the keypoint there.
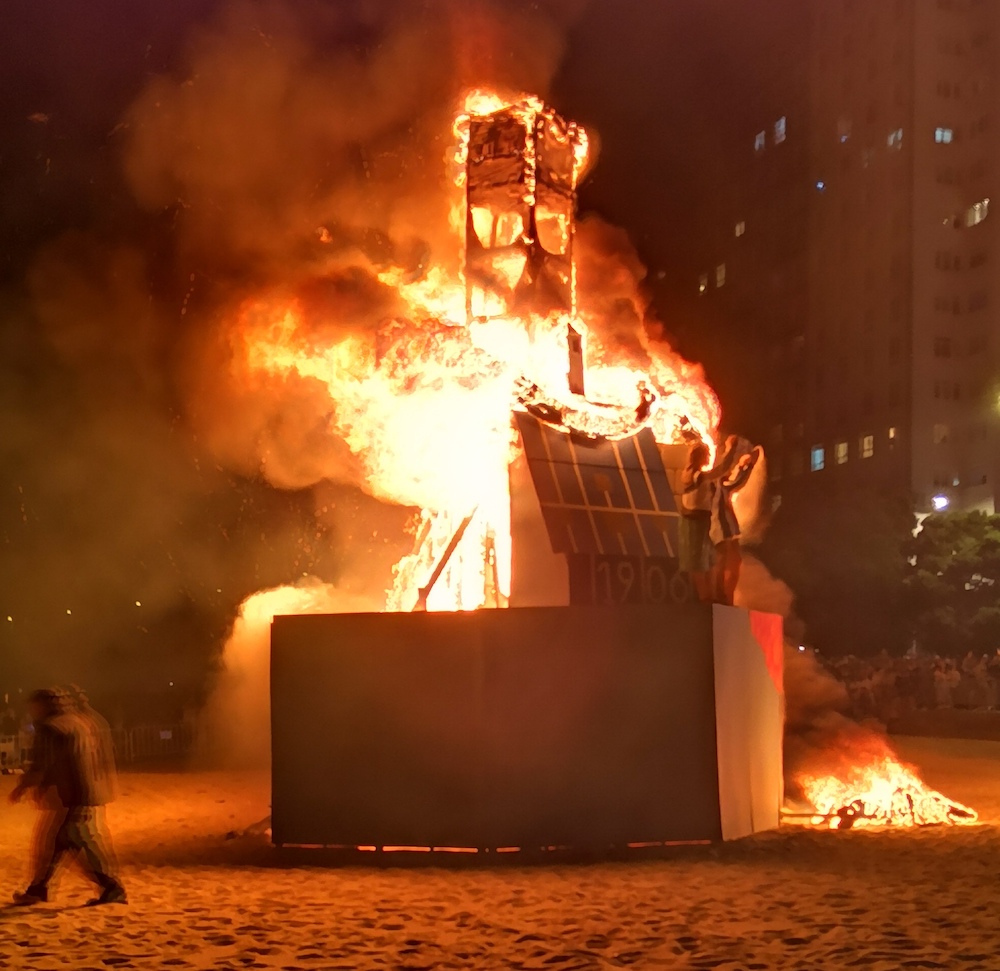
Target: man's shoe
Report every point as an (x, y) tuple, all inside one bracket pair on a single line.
[(33, 895), (112, 895)]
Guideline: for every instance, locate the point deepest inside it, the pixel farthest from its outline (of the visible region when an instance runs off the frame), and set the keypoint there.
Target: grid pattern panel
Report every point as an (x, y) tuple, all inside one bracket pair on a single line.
[(604, 498)]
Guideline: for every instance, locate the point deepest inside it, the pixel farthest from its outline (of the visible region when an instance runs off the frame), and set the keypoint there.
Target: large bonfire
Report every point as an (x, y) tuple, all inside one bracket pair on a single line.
[(425, 405)]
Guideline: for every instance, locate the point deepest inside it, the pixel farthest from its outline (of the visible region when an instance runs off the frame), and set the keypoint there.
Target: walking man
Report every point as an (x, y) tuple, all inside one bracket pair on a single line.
[(69, 755)]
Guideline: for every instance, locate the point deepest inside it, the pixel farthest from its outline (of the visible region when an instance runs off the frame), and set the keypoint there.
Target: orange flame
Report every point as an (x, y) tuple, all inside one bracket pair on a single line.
[(879, 790), (425, 405)]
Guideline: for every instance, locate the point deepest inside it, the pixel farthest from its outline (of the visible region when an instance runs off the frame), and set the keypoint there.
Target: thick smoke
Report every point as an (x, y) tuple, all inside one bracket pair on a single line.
[(821, 738), (302, 178), (293, 147), (235, 727)]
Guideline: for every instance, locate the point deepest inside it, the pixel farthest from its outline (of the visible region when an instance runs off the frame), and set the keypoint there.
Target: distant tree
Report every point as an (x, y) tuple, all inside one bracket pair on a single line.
[(843, 554), (953, 584)]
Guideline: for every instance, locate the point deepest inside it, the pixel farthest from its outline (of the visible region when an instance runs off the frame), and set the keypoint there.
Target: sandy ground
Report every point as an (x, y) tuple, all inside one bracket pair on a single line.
[(794, 899)]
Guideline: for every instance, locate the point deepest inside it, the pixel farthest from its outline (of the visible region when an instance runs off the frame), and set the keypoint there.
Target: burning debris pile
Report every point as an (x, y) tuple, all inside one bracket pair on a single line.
[(879, 790), (843, 774)]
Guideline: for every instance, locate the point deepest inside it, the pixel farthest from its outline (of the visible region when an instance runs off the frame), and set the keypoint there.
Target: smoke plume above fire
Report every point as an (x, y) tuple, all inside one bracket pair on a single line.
[(286, 152), (315, 189)]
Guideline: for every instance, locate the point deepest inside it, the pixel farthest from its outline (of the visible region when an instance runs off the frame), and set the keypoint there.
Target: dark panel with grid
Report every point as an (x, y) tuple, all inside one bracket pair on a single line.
[(601, 498)]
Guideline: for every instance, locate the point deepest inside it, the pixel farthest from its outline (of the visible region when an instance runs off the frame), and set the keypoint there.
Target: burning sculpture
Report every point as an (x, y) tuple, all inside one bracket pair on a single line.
[(499, 361), (504, 335)]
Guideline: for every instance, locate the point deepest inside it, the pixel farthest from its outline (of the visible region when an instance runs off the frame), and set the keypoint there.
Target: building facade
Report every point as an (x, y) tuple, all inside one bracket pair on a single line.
[(868, 272)]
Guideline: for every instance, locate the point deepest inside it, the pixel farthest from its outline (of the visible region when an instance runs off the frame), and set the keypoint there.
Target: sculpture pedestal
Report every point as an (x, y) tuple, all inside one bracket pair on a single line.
[(585, 727)]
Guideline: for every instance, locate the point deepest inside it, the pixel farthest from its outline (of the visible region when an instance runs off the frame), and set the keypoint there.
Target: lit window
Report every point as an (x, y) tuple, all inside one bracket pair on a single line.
[(820, 185), (775, 502), (944, 136), (892, 433), (741, 228), (817, 458), (895, 139), (977, 213), (760, 140), (940, 434), (780, 130), (841, 453), (867, 446), (703, 283), (720, 275)]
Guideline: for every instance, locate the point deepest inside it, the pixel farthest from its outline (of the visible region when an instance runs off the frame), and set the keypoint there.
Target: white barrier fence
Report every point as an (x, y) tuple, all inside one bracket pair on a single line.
[(144, 743)]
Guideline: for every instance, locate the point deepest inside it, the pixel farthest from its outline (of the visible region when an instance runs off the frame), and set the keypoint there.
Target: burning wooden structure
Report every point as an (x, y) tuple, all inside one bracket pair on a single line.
[(522, 166), (875, 789), (541, 453), (600, 708)]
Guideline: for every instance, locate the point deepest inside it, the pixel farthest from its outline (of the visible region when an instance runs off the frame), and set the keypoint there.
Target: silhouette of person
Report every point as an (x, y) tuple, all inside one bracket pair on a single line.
[(725, 527), (68, 755), (699, 490)]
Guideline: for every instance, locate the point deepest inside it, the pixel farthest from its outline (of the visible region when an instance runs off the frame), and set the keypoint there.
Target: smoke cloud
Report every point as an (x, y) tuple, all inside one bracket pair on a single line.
[(235, 727), (283, 152), (283, 147)]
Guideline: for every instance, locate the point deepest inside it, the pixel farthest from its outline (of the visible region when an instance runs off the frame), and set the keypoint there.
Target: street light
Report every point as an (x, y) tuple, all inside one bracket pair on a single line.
[(940, 503)]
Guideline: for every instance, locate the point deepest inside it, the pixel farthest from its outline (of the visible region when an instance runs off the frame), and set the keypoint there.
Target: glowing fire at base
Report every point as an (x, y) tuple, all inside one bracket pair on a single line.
[(878, 792)]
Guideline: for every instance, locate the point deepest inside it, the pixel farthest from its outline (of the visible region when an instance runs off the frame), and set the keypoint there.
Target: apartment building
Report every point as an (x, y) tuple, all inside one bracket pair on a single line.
[(870, 277)]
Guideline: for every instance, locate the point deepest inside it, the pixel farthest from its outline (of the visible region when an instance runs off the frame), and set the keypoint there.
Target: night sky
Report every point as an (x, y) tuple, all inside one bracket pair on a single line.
[(107, 494)]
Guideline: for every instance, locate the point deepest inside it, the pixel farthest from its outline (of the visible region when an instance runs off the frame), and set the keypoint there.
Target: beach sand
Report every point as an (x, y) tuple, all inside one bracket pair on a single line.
[(794, 899)]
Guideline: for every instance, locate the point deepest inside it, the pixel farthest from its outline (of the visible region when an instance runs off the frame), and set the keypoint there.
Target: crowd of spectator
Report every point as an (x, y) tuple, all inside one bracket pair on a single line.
[(887, 687)]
